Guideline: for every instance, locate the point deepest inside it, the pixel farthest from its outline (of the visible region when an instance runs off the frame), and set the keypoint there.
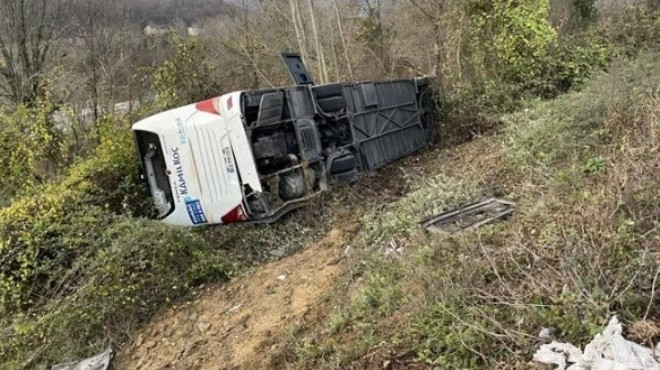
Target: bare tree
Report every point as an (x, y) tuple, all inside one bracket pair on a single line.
[(434, 11), (300, 30), (98, 22), (323, 70), (27, 45), (343, 39)]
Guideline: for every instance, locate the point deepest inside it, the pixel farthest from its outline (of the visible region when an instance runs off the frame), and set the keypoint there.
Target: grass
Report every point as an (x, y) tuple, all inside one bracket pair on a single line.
[(131, 269), (582, 245)]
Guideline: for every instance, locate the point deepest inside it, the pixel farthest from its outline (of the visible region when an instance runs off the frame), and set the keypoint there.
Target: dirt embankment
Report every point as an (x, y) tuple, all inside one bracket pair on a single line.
[(233, 326)]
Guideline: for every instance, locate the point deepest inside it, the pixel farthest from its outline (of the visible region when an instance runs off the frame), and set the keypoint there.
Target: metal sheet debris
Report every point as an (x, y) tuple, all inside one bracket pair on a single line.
[(470, 217), (607, 351), (98, 362)]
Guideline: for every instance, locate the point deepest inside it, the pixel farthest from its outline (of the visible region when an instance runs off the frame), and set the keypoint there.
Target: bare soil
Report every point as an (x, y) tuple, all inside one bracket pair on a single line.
[(233, 325)]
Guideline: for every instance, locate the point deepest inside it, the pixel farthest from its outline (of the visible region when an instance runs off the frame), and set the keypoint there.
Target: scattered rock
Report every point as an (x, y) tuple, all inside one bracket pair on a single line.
[(278, 252), (281, 278), (203, 327), (234, 308), (150, 344), (140, 340), (168, 332)]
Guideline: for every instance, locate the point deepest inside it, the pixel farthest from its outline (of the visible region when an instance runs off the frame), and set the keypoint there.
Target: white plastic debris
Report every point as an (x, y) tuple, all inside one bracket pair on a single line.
[(607, 351), (559, 354), (99, 362), (281, 278), (393, 248), (547, 333)]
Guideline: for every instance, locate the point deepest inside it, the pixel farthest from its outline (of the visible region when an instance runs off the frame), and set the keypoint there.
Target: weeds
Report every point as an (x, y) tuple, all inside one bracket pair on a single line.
[(584, 171), (135, 268)]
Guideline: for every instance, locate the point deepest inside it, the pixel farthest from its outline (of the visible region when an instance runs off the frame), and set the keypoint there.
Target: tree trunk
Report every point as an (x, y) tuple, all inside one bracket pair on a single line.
[(438, 51), (317, 45), (299, 32), (343, 40)]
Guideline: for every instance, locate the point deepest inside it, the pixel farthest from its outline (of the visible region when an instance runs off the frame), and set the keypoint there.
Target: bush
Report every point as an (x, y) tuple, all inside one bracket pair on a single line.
[(31, 147), (516, 53), (43, 234), (563, 131), (187, 77), (108, 178), (631, 29), (41, 240), (128, 270)]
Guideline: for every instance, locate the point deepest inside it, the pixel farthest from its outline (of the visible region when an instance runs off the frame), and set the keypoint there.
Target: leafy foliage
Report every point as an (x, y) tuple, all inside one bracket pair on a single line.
[(124, 270), (187, 77), (516, 52), (31, 147), (42, 234), (109, 177)]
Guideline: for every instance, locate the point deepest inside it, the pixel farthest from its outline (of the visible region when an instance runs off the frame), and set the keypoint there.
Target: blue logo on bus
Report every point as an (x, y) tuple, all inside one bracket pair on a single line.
[(195, 211)]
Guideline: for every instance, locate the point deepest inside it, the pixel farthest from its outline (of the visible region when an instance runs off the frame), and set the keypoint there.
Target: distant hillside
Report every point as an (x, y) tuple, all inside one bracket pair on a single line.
[(163, 12)]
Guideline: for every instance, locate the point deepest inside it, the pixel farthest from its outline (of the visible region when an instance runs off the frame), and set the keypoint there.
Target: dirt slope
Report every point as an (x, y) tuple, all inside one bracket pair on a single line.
[(230, 327)]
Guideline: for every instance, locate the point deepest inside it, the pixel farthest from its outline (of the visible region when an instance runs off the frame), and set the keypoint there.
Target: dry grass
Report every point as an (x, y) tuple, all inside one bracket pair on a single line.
[(584, 170)]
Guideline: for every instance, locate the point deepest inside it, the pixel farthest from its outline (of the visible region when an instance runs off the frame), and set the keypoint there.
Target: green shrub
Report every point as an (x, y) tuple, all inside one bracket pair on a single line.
[(128, 270), (515, 53), (108, 178), (43, 234), (558, 134), (40, 240), (31, 149), (187, 77)]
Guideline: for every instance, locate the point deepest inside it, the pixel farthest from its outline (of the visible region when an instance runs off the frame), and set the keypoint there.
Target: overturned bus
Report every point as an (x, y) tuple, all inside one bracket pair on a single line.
[(256, 155)]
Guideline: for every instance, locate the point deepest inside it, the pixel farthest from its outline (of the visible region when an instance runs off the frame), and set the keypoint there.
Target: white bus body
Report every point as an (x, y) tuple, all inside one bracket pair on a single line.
[(256, 155)]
